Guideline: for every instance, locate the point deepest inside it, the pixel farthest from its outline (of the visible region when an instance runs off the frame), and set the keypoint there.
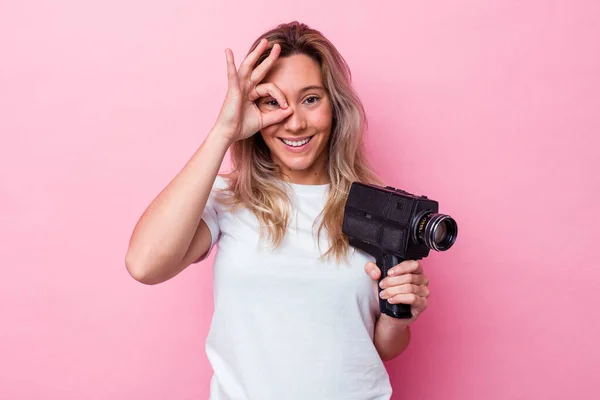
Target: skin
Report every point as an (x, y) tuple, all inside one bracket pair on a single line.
[(406, 284), (285, 98), (299, 79)]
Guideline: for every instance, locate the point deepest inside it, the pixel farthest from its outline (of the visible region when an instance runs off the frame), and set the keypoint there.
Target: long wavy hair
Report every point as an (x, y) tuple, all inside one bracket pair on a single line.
[(255, 181)]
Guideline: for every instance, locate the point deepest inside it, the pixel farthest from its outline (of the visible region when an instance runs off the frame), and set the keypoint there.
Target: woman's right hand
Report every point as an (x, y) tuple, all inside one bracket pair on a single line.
[(240, 117)]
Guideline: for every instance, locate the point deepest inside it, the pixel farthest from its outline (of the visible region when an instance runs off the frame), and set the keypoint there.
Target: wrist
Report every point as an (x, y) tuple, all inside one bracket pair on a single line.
[(220, 137), (393, 323)]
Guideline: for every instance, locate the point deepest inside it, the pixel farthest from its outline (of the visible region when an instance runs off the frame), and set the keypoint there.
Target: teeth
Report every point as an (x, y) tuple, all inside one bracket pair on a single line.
[(296, 144)]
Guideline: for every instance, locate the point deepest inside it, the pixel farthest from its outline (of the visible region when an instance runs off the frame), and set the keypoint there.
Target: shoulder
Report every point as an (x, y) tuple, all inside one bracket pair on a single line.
[(221, 188)]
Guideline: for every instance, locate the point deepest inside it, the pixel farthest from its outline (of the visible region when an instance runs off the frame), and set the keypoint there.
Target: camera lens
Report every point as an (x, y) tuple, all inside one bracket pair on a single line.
[(440, 233), (437, 231)]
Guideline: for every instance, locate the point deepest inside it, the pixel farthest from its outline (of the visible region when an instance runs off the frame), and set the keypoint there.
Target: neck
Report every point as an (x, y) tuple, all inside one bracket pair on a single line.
[(305, 179), (314, 175)]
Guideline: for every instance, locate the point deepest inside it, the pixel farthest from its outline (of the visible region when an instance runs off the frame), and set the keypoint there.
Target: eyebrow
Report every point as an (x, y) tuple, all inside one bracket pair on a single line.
[(304, 89)]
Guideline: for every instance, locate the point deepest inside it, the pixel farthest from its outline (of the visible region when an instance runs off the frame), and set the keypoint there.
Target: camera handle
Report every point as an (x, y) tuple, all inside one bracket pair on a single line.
[(393, 310)]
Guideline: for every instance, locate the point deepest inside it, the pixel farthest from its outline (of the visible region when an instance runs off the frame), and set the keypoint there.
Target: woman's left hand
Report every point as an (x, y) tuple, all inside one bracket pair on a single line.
[(404, 284)]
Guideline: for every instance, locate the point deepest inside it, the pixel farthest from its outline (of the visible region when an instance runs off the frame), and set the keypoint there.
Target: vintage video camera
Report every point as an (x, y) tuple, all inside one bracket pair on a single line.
[(393, 225)]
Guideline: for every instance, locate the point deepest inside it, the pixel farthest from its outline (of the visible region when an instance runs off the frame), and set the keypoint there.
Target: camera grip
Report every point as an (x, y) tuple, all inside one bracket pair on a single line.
[(393, 310)]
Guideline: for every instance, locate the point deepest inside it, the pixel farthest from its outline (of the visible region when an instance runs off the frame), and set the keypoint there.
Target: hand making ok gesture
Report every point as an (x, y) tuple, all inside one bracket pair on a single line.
[(240, 117)]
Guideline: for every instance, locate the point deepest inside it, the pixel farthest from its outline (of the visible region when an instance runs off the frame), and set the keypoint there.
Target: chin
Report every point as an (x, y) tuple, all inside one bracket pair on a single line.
[(296, 165)]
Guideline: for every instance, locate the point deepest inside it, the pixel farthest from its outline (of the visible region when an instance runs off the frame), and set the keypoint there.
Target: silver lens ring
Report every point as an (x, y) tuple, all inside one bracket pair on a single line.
[(433, 225)]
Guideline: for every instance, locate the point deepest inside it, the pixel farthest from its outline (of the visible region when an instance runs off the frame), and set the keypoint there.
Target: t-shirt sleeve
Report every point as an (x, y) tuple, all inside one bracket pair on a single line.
[(211, 217)]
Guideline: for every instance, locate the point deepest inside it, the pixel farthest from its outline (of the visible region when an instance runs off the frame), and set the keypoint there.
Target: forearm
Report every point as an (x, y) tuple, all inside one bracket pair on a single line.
[(392, 337), (165, 230)]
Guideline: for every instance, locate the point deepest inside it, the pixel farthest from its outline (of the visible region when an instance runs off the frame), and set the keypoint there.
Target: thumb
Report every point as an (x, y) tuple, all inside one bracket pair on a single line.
[(372, 270), (276, 116)]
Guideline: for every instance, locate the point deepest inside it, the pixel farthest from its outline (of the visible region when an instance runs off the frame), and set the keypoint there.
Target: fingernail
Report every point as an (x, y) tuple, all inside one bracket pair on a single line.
[(391, 272)]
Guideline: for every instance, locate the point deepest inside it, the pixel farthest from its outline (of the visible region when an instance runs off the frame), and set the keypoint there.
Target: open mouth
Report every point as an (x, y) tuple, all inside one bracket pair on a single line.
[(296, 143)]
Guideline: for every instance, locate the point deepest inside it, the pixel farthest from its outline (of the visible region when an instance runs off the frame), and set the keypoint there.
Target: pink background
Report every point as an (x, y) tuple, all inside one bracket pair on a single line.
[(490, 107)]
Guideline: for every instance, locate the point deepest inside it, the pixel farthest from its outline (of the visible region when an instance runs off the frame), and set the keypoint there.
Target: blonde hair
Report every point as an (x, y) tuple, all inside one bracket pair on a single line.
[(255, 180)]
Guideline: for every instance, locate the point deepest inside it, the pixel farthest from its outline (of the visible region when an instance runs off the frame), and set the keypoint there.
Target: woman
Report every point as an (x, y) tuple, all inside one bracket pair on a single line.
[(296, 309)]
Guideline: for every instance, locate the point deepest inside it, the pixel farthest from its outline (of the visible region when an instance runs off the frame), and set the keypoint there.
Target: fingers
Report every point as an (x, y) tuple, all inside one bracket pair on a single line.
[(418, 303), (261, 70), (232, 76), (246, 74), (408, 266), (268, 89), (417, 279), (247, 64), (233, 83), (276, 116), (406, 284), (408, 288), (372, 270)]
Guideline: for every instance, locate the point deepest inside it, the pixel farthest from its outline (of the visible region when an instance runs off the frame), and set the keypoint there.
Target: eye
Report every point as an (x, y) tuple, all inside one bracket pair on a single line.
[(312, 99), (271, 103)]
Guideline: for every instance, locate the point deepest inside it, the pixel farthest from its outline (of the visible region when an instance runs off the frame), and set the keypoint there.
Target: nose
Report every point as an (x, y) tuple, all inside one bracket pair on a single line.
[(295, 122)]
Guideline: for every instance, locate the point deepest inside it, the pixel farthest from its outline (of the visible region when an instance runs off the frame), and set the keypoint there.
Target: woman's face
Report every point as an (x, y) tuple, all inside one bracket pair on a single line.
[(299, 143)]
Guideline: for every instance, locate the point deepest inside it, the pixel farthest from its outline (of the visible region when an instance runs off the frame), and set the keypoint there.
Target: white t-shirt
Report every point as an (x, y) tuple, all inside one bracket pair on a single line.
[(286, 325)]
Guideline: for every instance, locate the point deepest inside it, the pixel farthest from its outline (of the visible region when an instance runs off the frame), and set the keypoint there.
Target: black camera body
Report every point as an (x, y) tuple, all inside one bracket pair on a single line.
[(393, 225)]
